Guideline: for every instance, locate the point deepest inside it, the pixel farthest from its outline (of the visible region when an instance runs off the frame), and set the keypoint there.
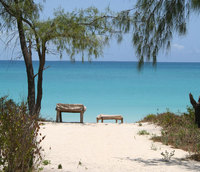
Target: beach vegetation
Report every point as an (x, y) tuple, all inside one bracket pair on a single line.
[(79, 163), (153, 147), (46, 162), (20, 139), (143, 132), (156, 22), (41, 169), (167, 155), (180, 131), (150, 117), (60, 166)]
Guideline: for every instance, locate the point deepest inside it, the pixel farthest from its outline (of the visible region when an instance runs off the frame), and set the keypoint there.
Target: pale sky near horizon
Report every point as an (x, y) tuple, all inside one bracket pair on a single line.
[(183, 49)]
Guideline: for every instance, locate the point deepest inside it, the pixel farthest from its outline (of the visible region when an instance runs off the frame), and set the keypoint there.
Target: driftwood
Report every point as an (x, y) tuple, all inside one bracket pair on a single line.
[(109, 117), (71, 108)]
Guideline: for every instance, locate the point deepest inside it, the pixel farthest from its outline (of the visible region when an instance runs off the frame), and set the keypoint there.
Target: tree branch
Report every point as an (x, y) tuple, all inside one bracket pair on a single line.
[(9, 10), (43, 70)]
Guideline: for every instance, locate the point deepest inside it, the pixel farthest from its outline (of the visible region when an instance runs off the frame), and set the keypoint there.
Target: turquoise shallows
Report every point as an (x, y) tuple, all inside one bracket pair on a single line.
[(107, 87)]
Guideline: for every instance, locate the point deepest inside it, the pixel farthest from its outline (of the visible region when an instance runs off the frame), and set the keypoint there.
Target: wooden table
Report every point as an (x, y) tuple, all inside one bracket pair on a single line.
[(109, 117), (70, 108)]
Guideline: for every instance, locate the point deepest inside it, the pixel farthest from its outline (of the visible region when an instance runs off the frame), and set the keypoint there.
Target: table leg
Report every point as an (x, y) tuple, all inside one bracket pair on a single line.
[(81, 117), (57, 115), (60, 117)]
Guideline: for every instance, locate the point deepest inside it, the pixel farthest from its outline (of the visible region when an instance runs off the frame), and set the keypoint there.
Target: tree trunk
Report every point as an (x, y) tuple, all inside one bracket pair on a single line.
[(40, 79), (29, 66), (196, 107)]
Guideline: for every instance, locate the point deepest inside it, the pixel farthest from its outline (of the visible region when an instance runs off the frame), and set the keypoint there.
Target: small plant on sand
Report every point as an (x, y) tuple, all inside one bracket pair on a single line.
[(143, 132), (153, 147), (79, 163), (140, 124), (40, 169), (167, 155), (59, 166), (46, 162)]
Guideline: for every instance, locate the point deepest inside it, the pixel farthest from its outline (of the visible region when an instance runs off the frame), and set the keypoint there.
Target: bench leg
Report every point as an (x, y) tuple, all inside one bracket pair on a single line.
[(122, 120), (60, 117), (97, 120), (57, 116), (116, 120), (101, 120), (81, 117)]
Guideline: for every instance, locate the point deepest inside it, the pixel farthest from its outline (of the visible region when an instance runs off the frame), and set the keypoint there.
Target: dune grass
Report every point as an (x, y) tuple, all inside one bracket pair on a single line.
[(178, 131)]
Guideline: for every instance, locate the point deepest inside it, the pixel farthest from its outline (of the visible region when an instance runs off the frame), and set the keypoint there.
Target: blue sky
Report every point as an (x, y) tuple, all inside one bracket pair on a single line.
[(183, 49)]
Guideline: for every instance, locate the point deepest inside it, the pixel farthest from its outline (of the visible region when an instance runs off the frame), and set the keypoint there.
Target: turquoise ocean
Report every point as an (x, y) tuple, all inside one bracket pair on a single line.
[(107, 87)]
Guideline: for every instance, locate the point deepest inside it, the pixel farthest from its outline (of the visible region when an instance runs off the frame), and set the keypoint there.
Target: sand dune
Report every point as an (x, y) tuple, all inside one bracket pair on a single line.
[(108, 148)]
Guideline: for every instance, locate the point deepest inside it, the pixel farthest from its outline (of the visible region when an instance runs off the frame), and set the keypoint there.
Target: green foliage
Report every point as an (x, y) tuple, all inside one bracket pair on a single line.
[(40, 169), (143, 132), (150, 118), (19, 145), (155, 22), (178, 130), (46, 162), (83, 32), (196, 5), (59, 166), (29, 7)]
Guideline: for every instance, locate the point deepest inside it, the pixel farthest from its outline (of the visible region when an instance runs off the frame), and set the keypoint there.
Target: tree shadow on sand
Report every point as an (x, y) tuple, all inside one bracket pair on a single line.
[(190, 165)]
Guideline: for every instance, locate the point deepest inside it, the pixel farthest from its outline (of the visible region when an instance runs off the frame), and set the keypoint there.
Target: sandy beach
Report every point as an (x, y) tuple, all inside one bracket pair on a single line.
[(108, 147)]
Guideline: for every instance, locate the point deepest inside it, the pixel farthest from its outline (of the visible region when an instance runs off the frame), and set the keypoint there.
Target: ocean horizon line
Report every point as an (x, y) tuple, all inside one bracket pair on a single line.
[(94, 61)]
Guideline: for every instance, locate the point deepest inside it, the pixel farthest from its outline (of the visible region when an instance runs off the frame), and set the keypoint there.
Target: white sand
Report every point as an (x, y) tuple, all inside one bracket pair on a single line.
[(108, 148)]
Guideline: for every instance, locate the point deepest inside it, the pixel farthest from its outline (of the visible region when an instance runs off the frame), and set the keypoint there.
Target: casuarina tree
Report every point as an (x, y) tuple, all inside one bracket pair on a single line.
[(83, 32), (156, 22)]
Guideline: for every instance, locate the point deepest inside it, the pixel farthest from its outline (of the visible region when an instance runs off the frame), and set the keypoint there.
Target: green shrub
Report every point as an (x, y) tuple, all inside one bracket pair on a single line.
[(19, 145), (179, 131), (150, 118)]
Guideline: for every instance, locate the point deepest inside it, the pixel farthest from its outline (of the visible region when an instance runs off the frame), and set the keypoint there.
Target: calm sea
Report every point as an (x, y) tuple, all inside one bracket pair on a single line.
[(107, 87)]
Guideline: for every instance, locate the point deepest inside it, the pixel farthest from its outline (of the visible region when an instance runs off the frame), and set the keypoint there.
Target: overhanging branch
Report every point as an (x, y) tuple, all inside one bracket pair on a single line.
[(42, 69)]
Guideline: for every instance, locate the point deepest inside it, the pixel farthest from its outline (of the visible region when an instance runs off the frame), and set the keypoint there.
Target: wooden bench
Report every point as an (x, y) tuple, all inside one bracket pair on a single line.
[(109, 117), (70, 108)]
